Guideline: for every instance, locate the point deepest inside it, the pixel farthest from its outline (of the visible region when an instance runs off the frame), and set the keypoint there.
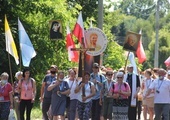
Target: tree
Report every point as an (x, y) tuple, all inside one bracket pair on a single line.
[(114, 55), (35, 16), (137, 8), (88, 7), (163, 41)]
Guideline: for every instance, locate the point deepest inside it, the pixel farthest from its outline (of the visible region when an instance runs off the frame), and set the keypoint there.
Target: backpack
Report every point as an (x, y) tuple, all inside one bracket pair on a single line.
[(88, 82), (125, 84), (105, 84), (101, 80)]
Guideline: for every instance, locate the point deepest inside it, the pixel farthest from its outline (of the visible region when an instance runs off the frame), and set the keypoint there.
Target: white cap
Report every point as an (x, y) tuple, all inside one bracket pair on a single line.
[(119, 74), (130, 65)]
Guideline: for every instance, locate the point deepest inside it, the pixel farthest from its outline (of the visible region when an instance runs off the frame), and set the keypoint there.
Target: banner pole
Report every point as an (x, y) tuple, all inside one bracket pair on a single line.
[(12, 82), (126, 61)]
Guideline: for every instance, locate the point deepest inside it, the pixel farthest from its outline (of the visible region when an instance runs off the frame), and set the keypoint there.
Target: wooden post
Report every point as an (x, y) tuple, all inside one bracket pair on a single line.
[(83, 50)]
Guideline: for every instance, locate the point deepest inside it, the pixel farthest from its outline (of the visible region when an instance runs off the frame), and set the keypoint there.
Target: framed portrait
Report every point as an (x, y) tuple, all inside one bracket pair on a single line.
[(95, 38), (131, 41), (55, 29)]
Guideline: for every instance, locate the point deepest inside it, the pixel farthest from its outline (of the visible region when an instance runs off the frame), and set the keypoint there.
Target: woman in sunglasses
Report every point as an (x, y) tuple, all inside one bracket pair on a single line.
[(105, 100), (120, 92)]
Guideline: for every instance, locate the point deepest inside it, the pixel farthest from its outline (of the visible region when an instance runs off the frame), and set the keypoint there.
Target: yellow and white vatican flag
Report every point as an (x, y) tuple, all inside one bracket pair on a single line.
[(10, 44)]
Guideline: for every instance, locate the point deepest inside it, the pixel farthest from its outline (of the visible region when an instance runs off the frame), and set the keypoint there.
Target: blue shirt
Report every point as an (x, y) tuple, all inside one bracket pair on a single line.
[(100, 78), (48, 80)]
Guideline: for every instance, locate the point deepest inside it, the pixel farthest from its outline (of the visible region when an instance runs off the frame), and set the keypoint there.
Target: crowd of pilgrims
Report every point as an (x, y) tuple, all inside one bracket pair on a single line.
[(104, 94)]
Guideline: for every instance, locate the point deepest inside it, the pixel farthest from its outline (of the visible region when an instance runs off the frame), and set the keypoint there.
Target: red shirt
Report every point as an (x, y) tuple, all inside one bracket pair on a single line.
[(5, 92)]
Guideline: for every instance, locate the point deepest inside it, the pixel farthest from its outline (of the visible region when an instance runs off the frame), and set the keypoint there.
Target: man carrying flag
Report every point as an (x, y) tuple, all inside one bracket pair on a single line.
[(133, 80), (131, 77)]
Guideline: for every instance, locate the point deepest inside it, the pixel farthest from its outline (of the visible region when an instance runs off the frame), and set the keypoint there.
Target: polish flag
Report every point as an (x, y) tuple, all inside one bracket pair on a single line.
[(140, 51), (72, 55), (79, 28)]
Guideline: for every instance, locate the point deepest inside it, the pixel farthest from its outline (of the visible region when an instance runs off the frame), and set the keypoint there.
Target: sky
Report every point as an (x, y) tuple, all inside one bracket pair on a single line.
[(104, 1), (120, 0), (111, 9)]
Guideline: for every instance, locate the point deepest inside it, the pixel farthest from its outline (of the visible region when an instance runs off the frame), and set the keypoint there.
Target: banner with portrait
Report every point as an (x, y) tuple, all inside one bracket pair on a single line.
[(55, 29), (94, 38), (131, 41)]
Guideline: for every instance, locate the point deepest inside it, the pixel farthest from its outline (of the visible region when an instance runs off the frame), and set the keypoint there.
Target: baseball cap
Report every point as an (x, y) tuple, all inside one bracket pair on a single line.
[(95, 65), (53, 66), (130, 65)]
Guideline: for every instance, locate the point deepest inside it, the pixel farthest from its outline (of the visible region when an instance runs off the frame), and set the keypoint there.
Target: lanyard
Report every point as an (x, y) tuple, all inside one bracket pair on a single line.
[(71, 84), (159, 85), (2, 88), (108, 85), (96, 86), (26, 84), (51, 79), (61, 86), (26, 87)]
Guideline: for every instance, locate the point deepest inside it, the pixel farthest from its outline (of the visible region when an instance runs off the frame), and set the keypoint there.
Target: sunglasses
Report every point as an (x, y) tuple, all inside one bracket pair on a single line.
[(109, 74), (119, 77)]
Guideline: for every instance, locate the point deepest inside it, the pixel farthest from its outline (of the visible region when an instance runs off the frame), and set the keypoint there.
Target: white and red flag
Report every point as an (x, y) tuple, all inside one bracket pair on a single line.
[(140, 51), (167, 61), (79, 28), (72, 55)]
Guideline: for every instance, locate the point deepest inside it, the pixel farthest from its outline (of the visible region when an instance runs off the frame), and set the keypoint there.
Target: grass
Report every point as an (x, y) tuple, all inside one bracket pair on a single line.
[(36, 113)]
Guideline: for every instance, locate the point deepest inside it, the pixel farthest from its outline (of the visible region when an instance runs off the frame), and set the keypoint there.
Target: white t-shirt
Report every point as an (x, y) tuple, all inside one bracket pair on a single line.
[(163, 87), (72, 85), (147, 83), (87, 92)]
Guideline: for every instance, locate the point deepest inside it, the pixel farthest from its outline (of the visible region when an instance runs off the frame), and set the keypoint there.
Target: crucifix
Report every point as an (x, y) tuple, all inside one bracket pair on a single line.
[(82, 51)]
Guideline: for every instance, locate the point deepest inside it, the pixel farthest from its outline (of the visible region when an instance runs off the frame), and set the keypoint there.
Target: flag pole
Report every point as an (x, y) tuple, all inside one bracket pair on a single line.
[(10, 70), (20, 59), (10, 47), (126, 61), (20, 51)]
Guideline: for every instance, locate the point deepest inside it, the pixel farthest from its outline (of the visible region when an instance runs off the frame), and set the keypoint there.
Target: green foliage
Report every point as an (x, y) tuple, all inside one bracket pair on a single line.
[(137, 8), (35, 17), (164, 43), (88, 7), (113, 56), (36, 14), (143, 17)]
